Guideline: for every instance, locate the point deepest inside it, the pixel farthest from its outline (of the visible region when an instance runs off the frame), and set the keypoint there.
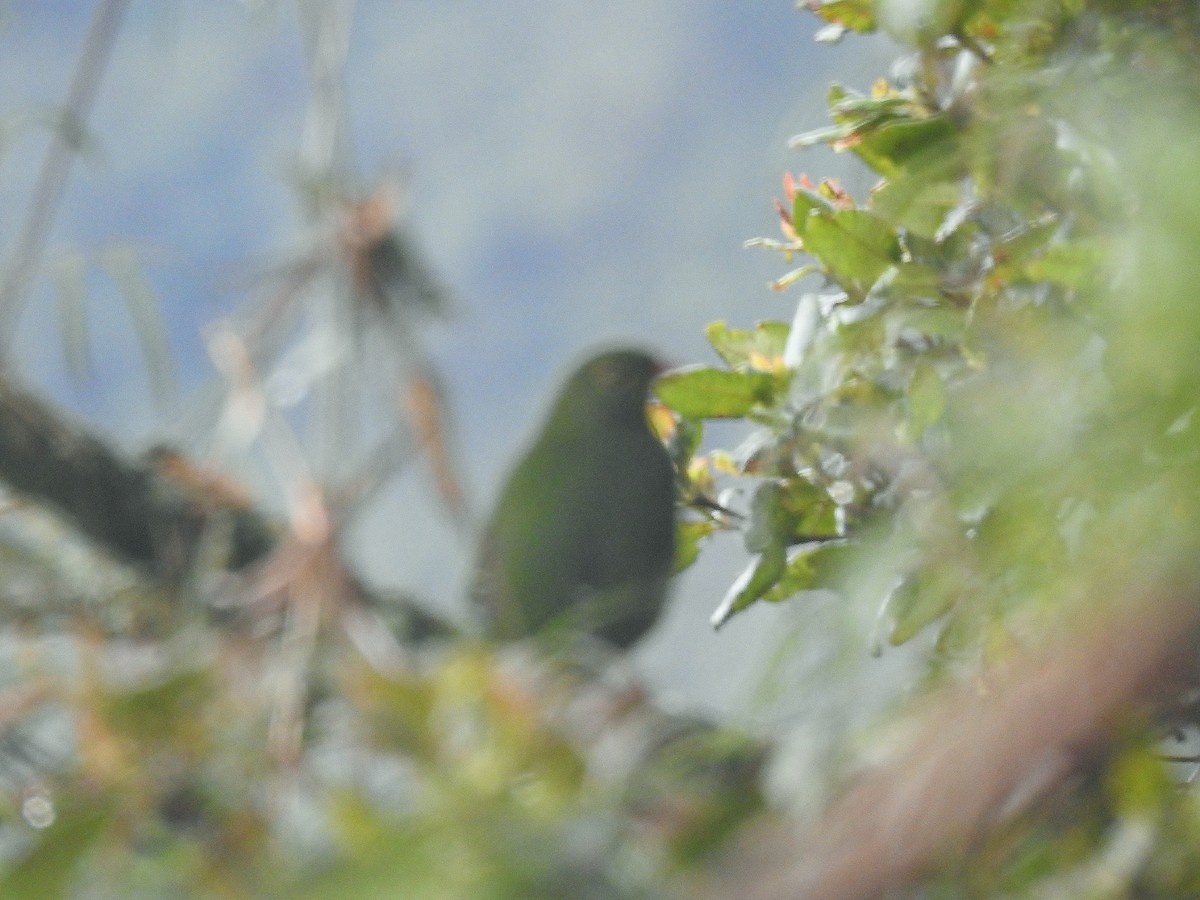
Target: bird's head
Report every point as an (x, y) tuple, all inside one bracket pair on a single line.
[(611, 388)]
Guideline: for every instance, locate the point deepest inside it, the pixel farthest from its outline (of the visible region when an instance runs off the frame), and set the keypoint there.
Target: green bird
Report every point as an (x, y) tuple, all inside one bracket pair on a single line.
[(583, 537)]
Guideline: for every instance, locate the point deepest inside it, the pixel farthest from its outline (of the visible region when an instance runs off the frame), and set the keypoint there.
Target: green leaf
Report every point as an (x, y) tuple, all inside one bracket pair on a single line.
[(804, 205), (736, 346), (867, 113), (772, 526), (685, 442), (827, 134), (854, 246), (921, 599), (161, 711), (806, 512), (1138, 782), (1070, 264), (915, 280), (786, 281), (858, 15), (924, 163), (688, 535), (1027, 242), (707, 393), (930, 145), (926, 399), (916, 204), (753, 584), (768, 522), (48, 869), (934, 321), (810, 568), (922, 196), (785, 512)]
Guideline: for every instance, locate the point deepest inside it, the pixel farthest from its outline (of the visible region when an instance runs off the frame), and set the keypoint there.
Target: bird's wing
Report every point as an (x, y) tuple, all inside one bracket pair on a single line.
[(529, 560)]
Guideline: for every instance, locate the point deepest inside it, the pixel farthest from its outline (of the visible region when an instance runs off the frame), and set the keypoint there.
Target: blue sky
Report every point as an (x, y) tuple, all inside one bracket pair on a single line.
[(580, 173)]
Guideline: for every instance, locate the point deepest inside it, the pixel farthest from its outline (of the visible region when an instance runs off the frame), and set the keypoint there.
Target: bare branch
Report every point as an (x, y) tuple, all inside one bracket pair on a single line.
[(140, 510), (31, 245)]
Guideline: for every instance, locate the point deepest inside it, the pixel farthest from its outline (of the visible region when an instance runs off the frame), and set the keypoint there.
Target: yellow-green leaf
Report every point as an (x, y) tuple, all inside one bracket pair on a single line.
[(741, 347), (926, 399), (706, 393), (854, 247)]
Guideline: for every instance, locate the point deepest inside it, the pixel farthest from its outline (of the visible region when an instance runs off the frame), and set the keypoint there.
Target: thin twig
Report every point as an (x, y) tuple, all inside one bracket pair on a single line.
[(48, 192)]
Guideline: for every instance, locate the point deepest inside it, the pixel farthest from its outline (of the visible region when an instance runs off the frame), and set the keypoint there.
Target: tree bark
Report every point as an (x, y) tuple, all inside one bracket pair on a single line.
[(134, 508)]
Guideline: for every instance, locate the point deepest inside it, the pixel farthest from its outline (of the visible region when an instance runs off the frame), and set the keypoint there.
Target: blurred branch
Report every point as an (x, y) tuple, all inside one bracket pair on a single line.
[(152, 511), (327, 152), (134, 508), (976, 759), (31, 245)]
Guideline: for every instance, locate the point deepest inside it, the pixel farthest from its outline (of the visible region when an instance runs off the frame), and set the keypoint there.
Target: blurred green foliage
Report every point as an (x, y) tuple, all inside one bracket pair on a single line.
[(982, 422)]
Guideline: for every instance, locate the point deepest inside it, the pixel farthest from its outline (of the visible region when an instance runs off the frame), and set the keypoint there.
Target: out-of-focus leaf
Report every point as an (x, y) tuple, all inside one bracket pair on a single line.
[(922, 598), (933, 321), (805, 204), (1139, 782), (682, 446), (769, 521), (699, 784), (1025, 243), (758, 347), (688, 535), (398, 712), (47, 871), (857, 15), (786, 281), (663, 423), (926, 399), (1070, 264), (707, 393), (924, 180), (854, 247), (758, 578), (825, 135), (919, 205), (929, 146), (812, 567), (161, 711), (805, 512), (773, 520), (868, 113), (912, 281)]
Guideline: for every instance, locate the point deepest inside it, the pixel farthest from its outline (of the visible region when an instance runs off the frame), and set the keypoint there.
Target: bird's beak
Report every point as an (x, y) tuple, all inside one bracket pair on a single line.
[(662, 367)]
